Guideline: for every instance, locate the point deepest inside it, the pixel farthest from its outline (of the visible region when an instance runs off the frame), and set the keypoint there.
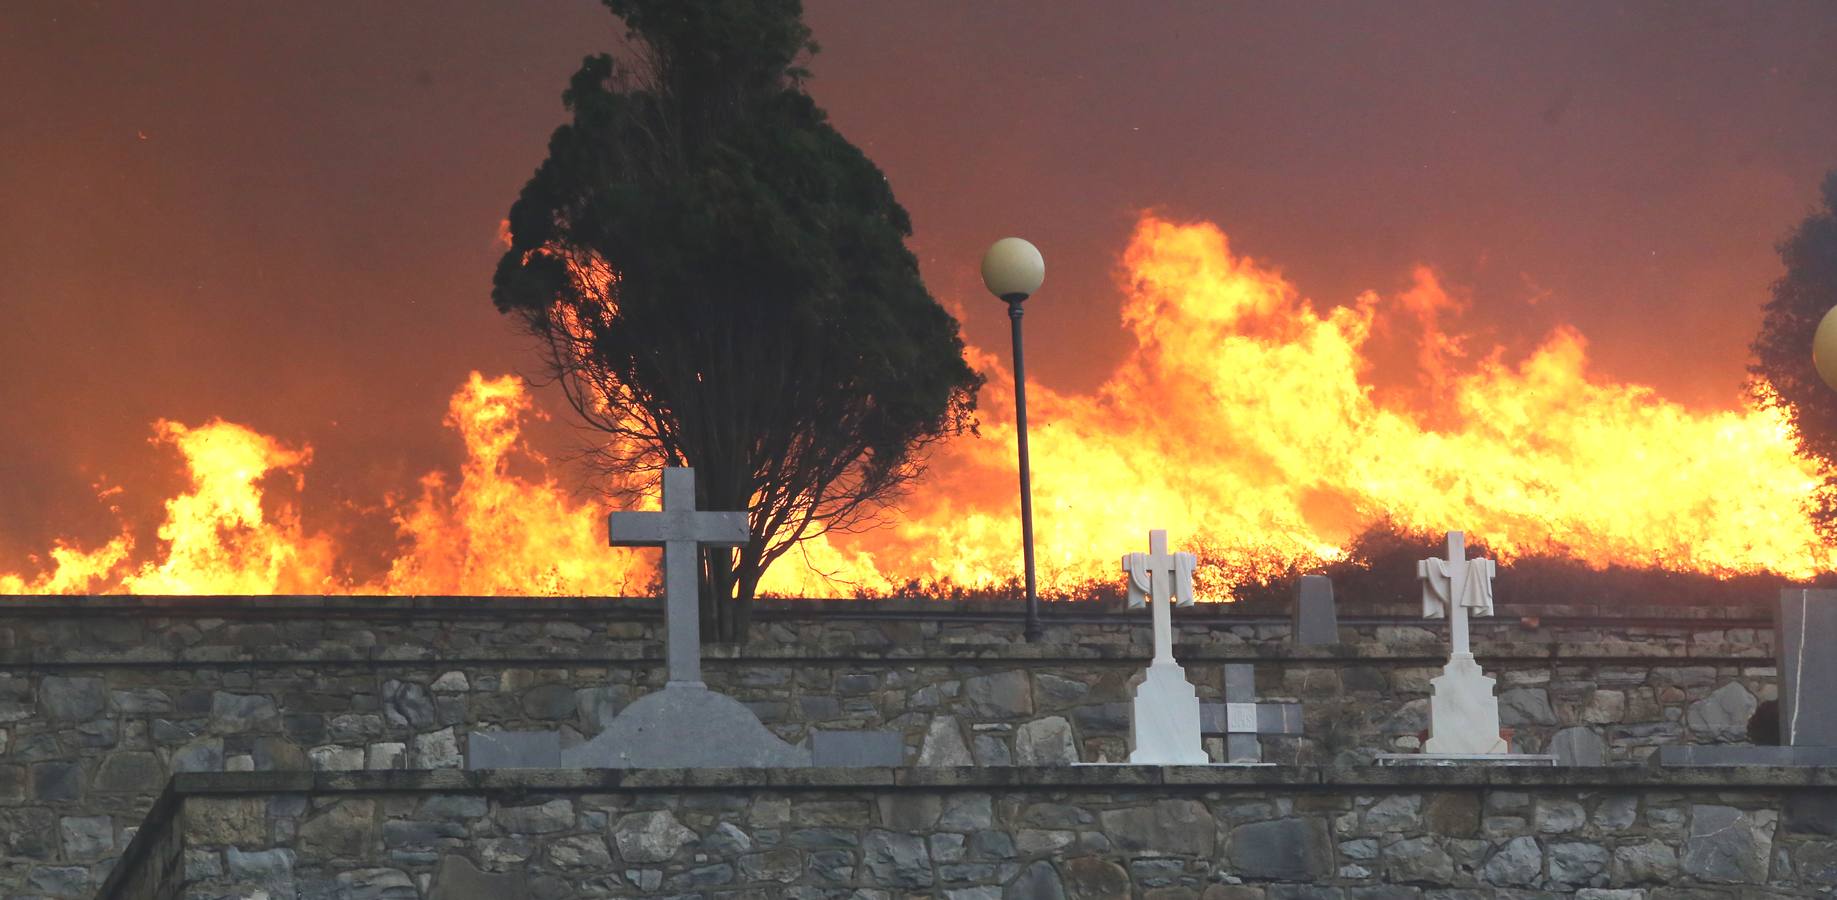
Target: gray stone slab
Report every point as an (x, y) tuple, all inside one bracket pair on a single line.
[(1240, 682), (1243, 748), (857, 749), (685, 726), (1806, 629), (1212, 719), (513, 750), (1316, 616), (1744, 755), (1271, 718), (1278, 718), (1538, 760)]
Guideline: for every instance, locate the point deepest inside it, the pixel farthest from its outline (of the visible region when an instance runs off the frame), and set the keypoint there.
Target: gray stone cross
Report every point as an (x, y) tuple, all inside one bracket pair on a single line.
[(682, 532), (1241, 719)]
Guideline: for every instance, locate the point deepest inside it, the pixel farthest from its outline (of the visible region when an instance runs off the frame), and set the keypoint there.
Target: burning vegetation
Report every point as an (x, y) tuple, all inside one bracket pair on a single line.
[(1244, 419)]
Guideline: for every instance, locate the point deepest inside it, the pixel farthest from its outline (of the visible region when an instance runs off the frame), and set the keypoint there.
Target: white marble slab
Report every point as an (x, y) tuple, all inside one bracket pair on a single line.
[(1164, 727), (1463, 713)]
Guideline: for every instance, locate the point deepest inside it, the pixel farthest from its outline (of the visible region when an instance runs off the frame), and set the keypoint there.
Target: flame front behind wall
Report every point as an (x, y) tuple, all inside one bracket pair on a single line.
[(1242, 419)]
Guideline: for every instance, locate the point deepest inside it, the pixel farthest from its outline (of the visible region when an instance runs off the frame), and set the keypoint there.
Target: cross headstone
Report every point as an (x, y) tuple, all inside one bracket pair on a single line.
[(1243, 720), (1463, 713), (1164, 720), (681, 531), (685, 725)]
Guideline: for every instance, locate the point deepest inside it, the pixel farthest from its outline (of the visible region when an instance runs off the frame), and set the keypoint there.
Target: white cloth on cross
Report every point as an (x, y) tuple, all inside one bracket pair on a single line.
[(1438, 580), (1137, 565)]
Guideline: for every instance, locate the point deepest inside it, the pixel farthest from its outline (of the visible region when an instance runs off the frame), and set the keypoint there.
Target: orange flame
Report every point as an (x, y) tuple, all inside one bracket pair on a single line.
[(1242, 417)]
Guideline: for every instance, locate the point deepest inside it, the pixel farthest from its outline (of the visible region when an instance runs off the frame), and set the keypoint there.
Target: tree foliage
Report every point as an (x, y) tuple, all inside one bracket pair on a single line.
[(719, 279), (1783, 375)]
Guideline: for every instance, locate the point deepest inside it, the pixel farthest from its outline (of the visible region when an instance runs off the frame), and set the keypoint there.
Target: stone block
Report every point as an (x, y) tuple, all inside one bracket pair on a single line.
[(549, 701), (270, 868), (1520, 863), (1646, 862), (1039, 881), (943, 744), (1723, 715), (406, 703), (1003, 695), (1289, 849), (513, 750), (87, 837), (201, 755), (1729, 845), (436, 750), (536, 818), (1045, 742), (242, 713), (1809, 812), (53, 781), (857, 749), (1166, 826), (130, 772), (650, 837), (895, 860), (71, 699), (226, 820), (1093, 877), (1578, 863), (345, 829), (59, 881), (1579, 746), (1419, 859)]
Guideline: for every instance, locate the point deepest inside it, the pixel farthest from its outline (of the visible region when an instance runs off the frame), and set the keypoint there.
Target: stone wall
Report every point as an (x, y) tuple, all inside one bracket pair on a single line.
[(980, 834), (101, 699)]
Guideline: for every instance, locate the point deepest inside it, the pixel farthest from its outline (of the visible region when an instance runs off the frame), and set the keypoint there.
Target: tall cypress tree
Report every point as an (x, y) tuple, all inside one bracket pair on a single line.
[(719, 279)]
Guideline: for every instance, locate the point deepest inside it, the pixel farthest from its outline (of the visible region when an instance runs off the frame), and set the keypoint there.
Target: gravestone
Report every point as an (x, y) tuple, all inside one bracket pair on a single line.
[(1316, 618), (1164, 719), (1463, 713), (685, 725), (1243, 720), (1804, 633)]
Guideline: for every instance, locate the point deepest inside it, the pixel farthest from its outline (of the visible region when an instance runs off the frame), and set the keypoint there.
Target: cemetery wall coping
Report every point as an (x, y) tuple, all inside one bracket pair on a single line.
[(1071, 611), (1047, 778), (647, 653)]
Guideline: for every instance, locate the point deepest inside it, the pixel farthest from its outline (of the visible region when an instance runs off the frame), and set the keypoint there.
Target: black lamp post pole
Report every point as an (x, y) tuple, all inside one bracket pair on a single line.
[(1033, 630)]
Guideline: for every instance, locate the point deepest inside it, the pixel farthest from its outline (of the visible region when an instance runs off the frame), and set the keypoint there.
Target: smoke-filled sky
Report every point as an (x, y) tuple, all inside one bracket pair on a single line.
[(286, 215)]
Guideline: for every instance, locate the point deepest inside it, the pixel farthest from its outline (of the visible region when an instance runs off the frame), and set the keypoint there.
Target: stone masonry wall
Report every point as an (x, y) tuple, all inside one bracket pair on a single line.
[(1034, 834), (101, 699)]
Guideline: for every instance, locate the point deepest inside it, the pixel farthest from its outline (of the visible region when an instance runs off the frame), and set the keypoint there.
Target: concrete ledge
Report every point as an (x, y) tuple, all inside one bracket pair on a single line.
[(517, 781), (1553, 613)]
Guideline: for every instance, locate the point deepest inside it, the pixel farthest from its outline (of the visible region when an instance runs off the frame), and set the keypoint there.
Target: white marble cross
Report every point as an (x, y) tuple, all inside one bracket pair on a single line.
[(1456, 587), (1160, 577), (682, 532), (1164, 719), (1463, 713)]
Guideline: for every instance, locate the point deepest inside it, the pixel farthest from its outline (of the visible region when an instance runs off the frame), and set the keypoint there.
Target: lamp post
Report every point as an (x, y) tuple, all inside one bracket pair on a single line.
[(1824, 348), (1013, 269)]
